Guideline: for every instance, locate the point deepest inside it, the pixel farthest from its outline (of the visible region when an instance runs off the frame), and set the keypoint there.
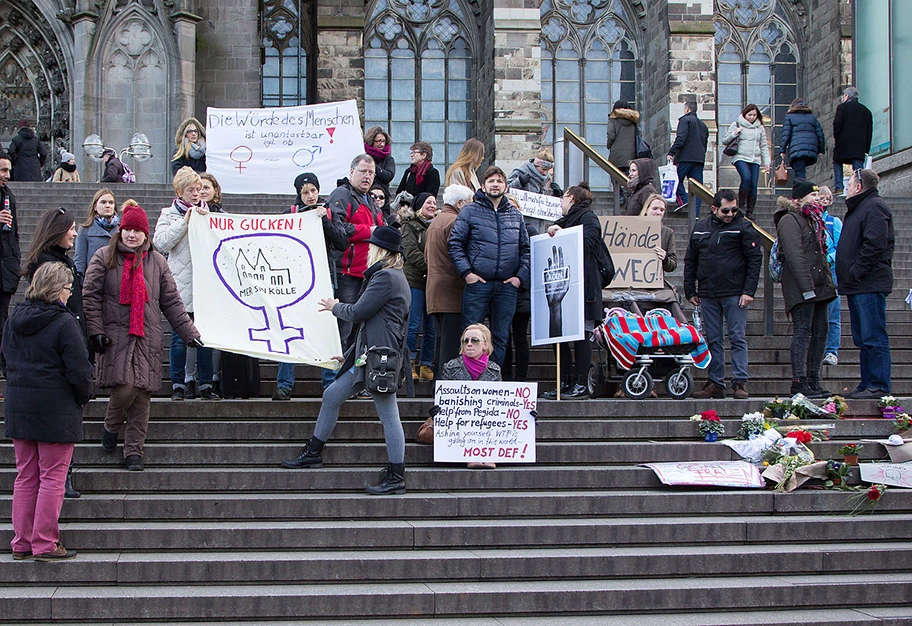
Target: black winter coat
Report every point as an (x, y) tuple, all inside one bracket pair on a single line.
[(49, 377), (56, 254), (491, 243), (864, 254), (385, 171), (725, 259), (198, 165), (804, 264), (429, 184), (690, 140), (10, 256), (28, 156), (582, 214), (802, 136), (333, 235), (853, 129)]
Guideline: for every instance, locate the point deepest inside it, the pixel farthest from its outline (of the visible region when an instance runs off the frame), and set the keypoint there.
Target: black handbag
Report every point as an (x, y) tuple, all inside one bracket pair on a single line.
[(382, 369), (643, 150), (731, 148)]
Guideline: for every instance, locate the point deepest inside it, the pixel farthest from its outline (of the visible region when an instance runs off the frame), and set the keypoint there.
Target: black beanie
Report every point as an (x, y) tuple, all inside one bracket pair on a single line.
[(306, 177), (802, 187), (420, 199)]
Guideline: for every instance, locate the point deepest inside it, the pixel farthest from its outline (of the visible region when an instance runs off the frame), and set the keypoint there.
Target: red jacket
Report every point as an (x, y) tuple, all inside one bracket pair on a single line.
[(349, 209)]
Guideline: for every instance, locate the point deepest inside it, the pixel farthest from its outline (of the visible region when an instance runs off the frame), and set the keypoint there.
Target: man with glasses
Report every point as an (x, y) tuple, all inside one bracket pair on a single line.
[(721, 271), (10, 257)]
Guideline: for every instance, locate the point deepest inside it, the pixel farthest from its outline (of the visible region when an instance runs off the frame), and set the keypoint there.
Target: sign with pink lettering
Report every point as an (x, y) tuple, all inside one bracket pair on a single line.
[(485, 422), (708, 474)]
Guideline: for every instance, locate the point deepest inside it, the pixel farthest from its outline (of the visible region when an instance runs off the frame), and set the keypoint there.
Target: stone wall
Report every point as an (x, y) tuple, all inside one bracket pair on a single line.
[(227, 55)]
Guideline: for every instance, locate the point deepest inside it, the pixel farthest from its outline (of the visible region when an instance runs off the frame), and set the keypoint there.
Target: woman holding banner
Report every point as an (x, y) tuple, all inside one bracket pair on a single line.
[(380, 314)]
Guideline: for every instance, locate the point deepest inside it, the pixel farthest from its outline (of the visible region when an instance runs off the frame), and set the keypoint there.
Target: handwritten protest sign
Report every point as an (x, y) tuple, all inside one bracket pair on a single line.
[(708, 473), (484, 422), (537, 204), (257, 281), (264, 150), (894, 474), (632, 242)]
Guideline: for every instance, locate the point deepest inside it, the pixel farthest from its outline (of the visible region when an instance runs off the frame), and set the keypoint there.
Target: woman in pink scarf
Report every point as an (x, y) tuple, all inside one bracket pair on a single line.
[(474, 363)]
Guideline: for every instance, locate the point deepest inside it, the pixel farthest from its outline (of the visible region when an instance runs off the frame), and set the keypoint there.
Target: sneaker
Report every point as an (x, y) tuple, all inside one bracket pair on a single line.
[(178, 394), (866, 394), (109, 442), (190, 393), (740, 391), (577, 392), (22, 556), (830, 359), (209, 394), (58, 554), (134, 463), (552, 395), (282, 393), (425, 373), (710, 390)]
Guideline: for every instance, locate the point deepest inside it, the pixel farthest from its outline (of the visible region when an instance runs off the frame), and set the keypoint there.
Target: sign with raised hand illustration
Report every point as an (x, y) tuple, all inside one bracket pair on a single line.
[(557, 286)]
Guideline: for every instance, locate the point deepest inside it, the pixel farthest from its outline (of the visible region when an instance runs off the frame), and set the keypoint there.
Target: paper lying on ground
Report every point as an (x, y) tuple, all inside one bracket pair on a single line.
[(708, 474), (893, 474)]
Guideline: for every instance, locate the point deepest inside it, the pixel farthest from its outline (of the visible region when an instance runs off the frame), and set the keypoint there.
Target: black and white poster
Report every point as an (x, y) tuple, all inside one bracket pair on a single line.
[(557, 287)]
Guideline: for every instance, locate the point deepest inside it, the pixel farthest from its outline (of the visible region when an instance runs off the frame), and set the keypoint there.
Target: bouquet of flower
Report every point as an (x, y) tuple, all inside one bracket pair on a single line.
[(776, 409), (800, 435), (708, 422), (902, 422), (887, 402), (835, 405), (752, 425), (866, 500), (801, 408)]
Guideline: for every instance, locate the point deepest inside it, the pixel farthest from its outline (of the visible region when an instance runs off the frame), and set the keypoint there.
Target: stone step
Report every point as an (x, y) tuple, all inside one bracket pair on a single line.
[(450, 599)]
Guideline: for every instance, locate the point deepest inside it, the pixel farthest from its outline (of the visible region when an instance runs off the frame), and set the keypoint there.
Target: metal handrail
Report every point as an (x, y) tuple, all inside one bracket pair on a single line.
[(589, 152)]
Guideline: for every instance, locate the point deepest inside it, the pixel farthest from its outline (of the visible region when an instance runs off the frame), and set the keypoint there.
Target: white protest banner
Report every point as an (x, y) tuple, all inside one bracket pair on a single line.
[(484, 422), (893, 474), (257, 281), (537, 204), (557, 287), (632, 242), (264, 150), (708, 473)]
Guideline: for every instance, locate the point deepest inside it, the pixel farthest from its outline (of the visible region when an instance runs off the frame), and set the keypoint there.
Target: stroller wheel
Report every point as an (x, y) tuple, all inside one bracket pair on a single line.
[(637, 385), (595, 380), (679, 384)]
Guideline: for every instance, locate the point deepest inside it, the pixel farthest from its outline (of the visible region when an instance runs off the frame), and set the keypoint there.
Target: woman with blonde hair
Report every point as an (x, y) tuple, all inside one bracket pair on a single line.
[(463, 171), (656, 206), (98, 228), (190, 140)]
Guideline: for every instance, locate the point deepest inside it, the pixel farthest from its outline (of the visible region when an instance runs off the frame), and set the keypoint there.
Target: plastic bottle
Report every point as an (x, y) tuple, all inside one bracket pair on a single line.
[(698, 319), (6, 207)]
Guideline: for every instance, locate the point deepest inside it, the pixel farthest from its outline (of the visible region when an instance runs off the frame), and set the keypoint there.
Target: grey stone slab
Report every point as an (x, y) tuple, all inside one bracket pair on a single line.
[(793, 617), (26, 603), (85, 568)]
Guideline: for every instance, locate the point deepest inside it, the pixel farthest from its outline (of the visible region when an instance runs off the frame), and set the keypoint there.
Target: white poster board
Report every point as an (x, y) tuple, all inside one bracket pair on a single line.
[(264, 150), (537, 204), (257, 282), (488, 422), (632, 242), (893, 474), (557, 287), (708, 473)]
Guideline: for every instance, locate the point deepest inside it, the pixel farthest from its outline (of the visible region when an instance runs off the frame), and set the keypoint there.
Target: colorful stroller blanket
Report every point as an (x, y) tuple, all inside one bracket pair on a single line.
[(626, 334)]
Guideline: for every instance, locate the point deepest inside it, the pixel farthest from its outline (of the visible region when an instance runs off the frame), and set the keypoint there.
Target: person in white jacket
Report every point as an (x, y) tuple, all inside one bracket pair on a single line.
[(171, 239), (753, 154)]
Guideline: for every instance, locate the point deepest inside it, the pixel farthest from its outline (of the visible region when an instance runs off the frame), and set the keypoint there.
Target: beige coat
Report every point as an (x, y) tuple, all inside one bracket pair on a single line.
[(457, 177), (443, 293)]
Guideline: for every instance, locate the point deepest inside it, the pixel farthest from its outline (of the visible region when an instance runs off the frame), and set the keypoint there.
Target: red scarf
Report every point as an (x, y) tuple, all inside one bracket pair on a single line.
[(133, 292), (475, 366), (814, 214), (377, 153), (420, 170)]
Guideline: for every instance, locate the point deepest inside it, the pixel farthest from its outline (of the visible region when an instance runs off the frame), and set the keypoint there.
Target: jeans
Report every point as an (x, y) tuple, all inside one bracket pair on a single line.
[(341, 390), (809, 330), (857, 164), (687, 169), (285, 377), (868, 313), (178, 358), (834, 333), (750, 176), (714, 310), (800, 167), (419, 320), (38, 494), (497, 300)]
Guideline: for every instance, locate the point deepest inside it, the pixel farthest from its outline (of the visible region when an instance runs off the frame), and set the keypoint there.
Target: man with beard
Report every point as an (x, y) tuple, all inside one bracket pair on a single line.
[(489, 247)]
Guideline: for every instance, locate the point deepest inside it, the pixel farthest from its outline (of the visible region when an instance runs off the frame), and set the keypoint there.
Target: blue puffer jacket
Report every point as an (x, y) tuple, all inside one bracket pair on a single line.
[(802, 136), (491, 243)]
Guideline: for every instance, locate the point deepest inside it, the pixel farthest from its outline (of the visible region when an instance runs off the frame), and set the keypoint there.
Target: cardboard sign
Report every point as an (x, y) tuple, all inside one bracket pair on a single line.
[(264, 150), (557, 289), (484, 422), (632, 242), (708, 473), (893, 474), (537, 204)]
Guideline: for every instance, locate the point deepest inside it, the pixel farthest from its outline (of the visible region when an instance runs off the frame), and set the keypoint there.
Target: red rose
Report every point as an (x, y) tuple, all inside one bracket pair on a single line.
[(874, 494)]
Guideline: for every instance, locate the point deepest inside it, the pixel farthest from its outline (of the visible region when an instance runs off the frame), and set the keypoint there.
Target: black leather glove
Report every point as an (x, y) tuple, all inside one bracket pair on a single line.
[(196, 343), (533, 414), (556, 190), (433, 411), (100, 343)]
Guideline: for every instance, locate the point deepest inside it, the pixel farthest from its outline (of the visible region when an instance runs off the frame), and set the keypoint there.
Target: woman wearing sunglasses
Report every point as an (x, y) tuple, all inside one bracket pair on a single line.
[(474, 363)]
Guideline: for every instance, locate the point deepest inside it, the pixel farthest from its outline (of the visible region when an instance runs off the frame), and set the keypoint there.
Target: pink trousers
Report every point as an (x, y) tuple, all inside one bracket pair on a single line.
[(38, 494)]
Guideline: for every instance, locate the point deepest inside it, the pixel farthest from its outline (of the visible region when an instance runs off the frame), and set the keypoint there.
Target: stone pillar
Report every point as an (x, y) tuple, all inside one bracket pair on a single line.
[(184, 25), (229, 45), (83, 121), (518, 126)]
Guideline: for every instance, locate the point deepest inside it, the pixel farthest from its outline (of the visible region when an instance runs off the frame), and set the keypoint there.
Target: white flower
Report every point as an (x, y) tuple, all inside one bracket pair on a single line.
[(752, 416), (696, 418)]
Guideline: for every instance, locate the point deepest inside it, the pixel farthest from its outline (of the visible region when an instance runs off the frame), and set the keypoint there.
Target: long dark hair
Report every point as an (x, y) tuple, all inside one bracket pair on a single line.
[(53, 225), (752, 107), (579, 193)]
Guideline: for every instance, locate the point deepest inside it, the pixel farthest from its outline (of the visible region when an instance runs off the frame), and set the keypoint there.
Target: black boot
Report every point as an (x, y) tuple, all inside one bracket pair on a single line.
[(69, 487), (310, 456), (815, 390), (799, 385), (392, 481), (742, 201), (751, 203), (579, 391), (566, 386)]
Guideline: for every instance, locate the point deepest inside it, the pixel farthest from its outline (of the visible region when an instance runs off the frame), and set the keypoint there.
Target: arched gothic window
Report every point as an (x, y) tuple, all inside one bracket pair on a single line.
[(288, 53), (588, 62), (418, 73), (757, 61)]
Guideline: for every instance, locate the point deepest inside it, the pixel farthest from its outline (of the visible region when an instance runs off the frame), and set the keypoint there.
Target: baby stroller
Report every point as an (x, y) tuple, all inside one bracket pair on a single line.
[(643, 349)]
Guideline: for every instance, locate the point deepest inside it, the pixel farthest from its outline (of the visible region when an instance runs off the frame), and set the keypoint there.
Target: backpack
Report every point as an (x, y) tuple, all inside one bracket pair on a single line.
[(775, 263), (128, 176), (605, 264)]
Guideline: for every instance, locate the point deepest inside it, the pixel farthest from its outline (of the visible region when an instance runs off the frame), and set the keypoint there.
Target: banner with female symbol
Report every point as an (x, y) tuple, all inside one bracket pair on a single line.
[(557, 287), (264, 150), (257, 283)]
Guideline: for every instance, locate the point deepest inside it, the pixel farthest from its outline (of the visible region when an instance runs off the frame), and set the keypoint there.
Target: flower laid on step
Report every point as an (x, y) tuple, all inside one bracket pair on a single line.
[(800, 435), (888, 401), (902, 422), (776, 409), (836, 475), (865, 500), (802, 408), (752, 425), (710, 423), (835, 405), (850, 449)]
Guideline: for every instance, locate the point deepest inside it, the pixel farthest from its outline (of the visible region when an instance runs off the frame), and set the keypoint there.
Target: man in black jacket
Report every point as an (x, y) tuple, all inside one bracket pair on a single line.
[(724, 257), (853, 129), (864, 272), (10, 257), (688, 151)]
